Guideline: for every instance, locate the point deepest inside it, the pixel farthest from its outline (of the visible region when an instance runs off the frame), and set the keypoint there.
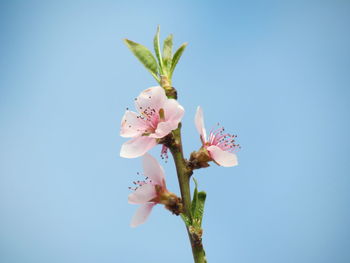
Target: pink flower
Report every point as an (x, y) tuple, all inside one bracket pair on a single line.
[(150, 192), (220, 145), (157, 116)]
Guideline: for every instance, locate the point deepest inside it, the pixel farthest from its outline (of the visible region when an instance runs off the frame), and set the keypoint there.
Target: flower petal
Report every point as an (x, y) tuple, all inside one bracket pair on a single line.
[(173, 112), (143, 194), (132, 125), (199, 122), (141, 214), (153, 170), (221, 157), (137, 147), (151, 98), (163, 129)]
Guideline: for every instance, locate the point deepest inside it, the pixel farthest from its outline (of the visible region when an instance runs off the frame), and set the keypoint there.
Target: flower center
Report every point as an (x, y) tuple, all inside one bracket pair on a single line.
[(151, 117), (225, 141), (140, 183)]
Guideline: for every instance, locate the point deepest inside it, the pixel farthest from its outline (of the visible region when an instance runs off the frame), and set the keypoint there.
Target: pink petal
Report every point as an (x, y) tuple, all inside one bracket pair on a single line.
[(137, 147), (199, 122), (143, 194), (153, 170), (131, 125), (151, 98), (141, 214), (221, 157), (163, 129), (173, 112)]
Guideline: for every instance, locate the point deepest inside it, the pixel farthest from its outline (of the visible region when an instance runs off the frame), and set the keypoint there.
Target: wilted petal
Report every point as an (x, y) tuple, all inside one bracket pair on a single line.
[(151, 98), (143, 194), (153, 170), (141, 214), (137, 147), (173, 112), (132, 125), (222, 157), (199, 122)]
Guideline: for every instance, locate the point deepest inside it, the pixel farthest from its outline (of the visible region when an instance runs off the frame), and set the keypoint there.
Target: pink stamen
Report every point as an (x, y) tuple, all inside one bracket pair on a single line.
[(140, 183), (164, 153), (225, 141)]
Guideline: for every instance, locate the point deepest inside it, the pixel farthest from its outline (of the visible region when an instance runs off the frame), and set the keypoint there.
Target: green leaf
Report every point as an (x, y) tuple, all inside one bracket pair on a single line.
[(168, 52), (198, 215), (197, 208), (186, 219), (157, 50), (195, 197), (176, 58), (144, 56)]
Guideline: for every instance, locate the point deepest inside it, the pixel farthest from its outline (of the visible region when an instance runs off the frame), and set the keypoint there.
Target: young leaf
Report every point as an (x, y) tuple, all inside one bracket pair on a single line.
[(186, 219), (200, 206), (176, 58), (144, 56), (157, 50), (168, 52), (195, 197)]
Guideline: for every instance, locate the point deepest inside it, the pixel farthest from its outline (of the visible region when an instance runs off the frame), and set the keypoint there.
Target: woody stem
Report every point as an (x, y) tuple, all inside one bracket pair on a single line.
[(184, 173)]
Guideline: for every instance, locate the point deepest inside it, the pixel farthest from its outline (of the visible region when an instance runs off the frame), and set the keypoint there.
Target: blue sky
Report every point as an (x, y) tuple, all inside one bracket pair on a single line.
[(276, 73)]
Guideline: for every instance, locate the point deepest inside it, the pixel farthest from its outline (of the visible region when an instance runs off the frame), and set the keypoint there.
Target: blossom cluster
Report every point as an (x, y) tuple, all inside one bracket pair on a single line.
[(155, 118)]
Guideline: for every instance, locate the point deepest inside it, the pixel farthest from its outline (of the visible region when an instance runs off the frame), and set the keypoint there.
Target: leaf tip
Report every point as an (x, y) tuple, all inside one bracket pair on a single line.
[(126, 41), (158, 31), (195, 182), (202, 195)]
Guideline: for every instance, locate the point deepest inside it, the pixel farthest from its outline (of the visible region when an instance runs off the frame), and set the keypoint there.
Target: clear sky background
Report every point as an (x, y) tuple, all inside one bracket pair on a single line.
[(274, 72)]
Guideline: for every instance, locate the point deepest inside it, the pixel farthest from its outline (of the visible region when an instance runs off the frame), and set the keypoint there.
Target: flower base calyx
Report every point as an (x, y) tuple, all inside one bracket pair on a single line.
[(172, 202), (200, 158)]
